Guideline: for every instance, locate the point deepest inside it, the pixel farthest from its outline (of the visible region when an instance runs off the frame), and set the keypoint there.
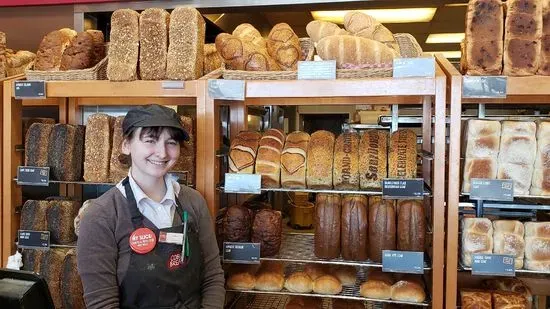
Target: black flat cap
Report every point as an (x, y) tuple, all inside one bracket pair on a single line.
[(153, 115)]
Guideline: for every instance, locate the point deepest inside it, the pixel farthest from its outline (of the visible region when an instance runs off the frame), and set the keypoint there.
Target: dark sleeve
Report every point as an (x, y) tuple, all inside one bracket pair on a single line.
[(97, 253)]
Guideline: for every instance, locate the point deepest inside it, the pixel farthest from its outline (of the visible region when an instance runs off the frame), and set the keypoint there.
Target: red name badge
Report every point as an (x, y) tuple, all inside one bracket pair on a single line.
[(143, 240)]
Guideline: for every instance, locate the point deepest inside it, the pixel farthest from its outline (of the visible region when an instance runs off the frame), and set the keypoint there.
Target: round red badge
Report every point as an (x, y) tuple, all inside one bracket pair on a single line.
[(143, 240)]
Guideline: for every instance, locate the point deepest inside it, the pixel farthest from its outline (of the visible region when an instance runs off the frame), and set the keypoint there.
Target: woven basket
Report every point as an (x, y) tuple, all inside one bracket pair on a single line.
[(97, 72)]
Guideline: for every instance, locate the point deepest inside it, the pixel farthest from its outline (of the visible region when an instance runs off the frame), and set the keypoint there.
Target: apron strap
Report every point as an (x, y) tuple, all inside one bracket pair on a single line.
[(137, 217)]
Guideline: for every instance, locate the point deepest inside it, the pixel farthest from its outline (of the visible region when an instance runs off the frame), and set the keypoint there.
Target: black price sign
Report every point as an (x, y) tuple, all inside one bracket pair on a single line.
[(33, 239), (27, 89), (409, 262), (241, 252), (403, 188), (492, 189), (414, 67), (493, 265), (33, 176)]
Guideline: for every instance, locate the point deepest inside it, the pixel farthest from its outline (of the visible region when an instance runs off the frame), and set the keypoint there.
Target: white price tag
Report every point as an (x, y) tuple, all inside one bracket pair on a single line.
[(243, 183)]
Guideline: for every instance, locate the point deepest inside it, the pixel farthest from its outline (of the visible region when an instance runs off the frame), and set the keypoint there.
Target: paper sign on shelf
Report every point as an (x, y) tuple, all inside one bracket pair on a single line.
[(243, 183), (484, 87), (226, 89), (314, 70), (414, 67)]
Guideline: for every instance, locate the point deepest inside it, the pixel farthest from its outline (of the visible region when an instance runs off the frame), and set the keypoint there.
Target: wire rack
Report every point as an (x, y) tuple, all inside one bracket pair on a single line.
[(263, 301)]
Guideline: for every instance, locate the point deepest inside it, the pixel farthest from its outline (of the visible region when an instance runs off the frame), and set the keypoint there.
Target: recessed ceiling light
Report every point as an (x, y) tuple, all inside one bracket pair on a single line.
[(456, 4), (411, 15), (436, 38), (454, 54)]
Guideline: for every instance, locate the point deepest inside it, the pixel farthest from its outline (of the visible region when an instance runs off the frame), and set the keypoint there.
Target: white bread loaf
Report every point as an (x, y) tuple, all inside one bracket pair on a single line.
[(537, 246), (123, 46), (353, 51), (508, 238), (540, 183), (477, 237), (294, 159), (242, 153), (268, 159)]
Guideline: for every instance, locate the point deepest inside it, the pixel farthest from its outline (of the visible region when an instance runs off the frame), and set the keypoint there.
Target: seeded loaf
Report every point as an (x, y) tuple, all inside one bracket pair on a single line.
[(33, 215), (98, 147), (60, 217), (294, 160), (27, 122), (373, 159), (71, 285), (345, 173), (153, 43), (402, 154), (32, 259), (51, 267), (123, 46), (51, 49), (320, 155), (66, 152), (37, 142), (117, 169)]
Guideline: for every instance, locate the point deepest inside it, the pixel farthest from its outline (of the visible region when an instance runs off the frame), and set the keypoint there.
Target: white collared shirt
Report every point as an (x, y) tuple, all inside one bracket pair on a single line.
[(160, 214)]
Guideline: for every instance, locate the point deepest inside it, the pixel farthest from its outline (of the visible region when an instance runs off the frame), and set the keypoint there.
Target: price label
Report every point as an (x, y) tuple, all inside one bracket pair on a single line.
[(403, 188), (226, 89), (243, 183), (243, 253), (33, 239), (410, 262), (484, 87), (27, 89), (414, 67), (492, 189), (317, 69), (173, 84), (493, 265), (33, 176)]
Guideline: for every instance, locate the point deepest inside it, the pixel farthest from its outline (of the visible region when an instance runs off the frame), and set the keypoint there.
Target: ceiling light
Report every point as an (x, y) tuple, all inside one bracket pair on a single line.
[(448, 54), (456, 4), (436, 38), (412, 15)]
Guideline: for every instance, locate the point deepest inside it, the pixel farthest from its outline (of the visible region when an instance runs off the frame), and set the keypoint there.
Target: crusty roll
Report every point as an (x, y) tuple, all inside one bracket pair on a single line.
[(378, 285), (212, 59), (315, 271), (328, 285), (402, 156), (327, 226), (537, 246), (346, 274), (283, 46), (354, 230), (320, 154), (237, 224), (472, 299), (356, 21), (242, 153), (540, 183), (345, 172), (477, 237), (250, 34), (242, 277), (382, 230), (153, 43), (270, 277), (411, 226), (508, 238), (373, 159), (79, 54), (32, 259), (266, 230), (268, 159), (319, 29), (410, 289), (244, 56), (299, 282), (293, 160), (51, 49), (353, 51), (123, 46)]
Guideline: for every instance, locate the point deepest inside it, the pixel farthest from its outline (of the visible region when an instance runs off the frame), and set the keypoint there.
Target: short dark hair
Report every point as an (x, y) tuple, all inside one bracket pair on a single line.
[(154, 132)]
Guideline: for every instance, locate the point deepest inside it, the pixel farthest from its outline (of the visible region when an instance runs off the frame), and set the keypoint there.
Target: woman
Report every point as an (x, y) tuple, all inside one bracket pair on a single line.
[(149, 242)]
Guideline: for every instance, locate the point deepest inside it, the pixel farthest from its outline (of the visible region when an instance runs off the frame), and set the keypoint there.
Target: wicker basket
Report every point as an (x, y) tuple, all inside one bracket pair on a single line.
[(97, 72)]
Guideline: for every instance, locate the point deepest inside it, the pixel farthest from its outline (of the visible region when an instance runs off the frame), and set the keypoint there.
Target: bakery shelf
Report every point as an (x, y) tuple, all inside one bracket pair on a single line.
[(518, 271), (262, 301), (55, 246), (361, 192), (540, 197), (90, 183)]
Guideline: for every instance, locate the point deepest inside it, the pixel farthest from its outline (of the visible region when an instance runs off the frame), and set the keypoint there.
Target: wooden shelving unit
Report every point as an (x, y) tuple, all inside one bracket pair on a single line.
[(520, 91), (429, 93)]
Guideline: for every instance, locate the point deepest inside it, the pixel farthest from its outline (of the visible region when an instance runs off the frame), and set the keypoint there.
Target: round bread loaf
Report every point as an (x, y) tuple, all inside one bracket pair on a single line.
[(299, 282), (346, 274), (328, 285), (408, 290)]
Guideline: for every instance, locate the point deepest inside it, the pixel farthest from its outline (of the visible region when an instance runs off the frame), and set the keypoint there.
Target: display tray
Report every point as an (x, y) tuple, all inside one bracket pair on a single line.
[(262, 301), (518, 271)]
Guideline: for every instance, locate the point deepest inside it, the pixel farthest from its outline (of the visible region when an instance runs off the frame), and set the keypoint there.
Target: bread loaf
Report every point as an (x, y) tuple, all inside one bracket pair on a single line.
[(186, 47), (51, 49), (51, 267), (237, 224), (32, 260), (186, 160), (299, 282), (511, 285), (37, 142), (378, 285), (29, 121), (508, 300), (298, 302), (99, 45), (411, 226), (356, 21), (242, 277), (270, 277), (327, 226), (516, 159), (71, 286), (345, 172), (410, 289), (354, 230), (328, 285), (66, 152), (540, 183), (293, 160), (117, 170), (508, 238), (352, 51), (537, 246), (98, 147), (523, 31), (266, 230), (319, 29), (484, 37), (268, 159), (240, 55), (242, 154), (33, 215), (472, 299), (283, 46), (247, 33), (382, 229), (373, 159), (153, 43), (347, 275), (60, 216), (19, 62), (212, 59), (320, 154), (79, 54), (544, 62), (402, 156), (477, 237), (123, 46)]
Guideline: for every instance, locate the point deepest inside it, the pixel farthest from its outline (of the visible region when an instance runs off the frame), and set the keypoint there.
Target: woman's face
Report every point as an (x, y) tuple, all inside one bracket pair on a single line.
[(151, 157)]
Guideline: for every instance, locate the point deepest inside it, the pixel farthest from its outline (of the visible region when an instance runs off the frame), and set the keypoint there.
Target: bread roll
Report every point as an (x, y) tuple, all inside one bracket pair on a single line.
[(315, 271), (268, 159), (241, 277), (383, 35), (472, 299), (537, 246), (402, 156), (247, 33), (283, 46), (540, 183), (97, 154), (266, 230), (320, 154), (373, 159), (508, 239), (319, 29), (79, 54), (352, 51), (293, 160), (411, 226), (117, 170), (511, 285), (408, 289), (33, 215), (382, 230), (153, 43), (378, 285), (299, 282), (51, 267), (71, 286), (37, 142), (298, 302), (66, 152), (123, 46), (356, 21), (186, 48), (51, 49), (270, 277), (346, 162), (544, 67), (507, 300), (237, 224), (327, 226), (328, 285), (477, 237), (354, 230), (60, 216), (242, 153), (346, 274), (212, 59), (244, 56), (18, 63)]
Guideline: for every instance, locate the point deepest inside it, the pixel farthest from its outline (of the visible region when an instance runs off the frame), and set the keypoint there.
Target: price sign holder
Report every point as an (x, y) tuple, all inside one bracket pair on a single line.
[(241, 253)]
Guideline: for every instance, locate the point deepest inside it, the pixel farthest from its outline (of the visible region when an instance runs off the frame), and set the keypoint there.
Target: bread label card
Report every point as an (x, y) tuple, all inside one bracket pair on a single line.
[(241, 252), (414, 67), (226, 89), (27, 89), (484, 87), (314, 70), (33, 239), (173, 84), (243, 183), (403, 188), (492, 189), (33, 176), (493, 265), (409, 262)]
